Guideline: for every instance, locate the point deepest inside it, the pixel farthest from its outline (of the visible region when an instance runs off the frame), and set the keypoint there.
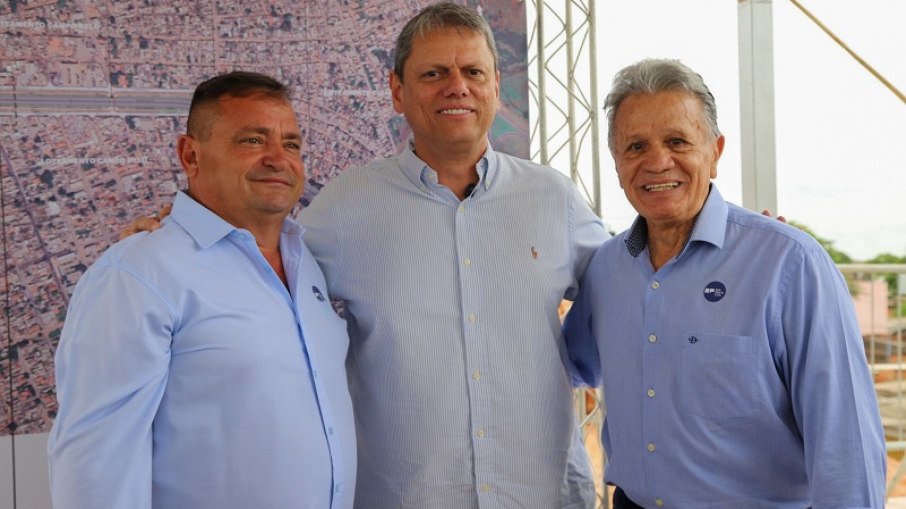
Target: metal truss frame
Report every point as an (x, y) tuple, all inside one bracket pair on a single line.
[(563, 90), (563, 120)]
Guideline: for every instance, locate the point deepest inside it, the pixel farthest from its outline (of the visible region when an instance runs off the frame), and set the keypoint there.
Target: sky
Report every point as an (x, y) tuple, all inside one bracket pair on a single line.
[(840, 133)]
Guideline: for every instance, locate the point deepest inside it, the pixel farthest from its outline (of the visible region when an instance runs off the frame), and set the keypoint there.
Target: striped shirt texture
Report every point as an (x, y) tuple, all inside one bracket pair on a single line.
[(457, 368)]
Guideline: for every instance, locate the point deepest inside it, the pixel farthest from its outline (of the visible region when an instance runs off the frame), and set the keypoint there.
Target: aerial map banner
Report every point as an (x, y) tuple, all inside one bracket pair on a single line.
[(94, 94)]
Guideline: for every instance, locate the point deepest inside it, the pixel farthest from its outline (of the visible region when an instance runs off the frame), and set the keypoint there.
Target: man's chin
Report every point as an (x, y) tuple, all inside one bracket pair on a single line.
[(464, 139), (282, 206)]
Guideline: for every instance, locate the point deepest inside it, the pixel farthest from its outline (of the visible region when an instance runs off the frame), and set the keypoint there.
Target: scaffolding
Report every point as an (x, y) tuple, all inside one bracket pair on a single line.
[(563, 91)]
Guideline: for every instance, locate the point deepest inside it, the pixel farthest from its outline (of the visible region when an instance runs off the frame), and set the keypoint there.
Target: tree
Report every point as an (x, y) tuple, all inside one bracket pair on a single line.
[(836, 255)]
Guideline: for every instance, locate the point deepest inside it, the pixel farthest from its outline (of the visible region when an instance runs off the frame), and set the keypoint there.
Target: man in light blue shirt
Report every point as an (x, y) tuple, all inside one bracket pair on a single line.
[(732, 364), (452, 259), (202, 365)]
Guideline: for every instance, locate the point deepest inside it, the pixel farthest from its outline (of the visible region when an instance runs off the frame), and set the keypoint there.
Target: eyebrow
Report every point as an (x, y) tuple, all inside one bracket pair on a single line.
[(266, 132), (468, 64)]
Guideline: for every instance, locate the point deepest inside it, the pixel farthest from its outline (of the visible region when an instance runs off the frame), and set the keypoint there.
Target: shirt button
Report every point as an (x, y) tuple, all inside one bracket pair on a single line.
[(481, 433), (650, 393), (336, 489), (485, 488), (651, 447), (652, 338), (659, 503), (476, 375), (330, 431), (472, 317), (467, 262), (655, 285), (462, 208)]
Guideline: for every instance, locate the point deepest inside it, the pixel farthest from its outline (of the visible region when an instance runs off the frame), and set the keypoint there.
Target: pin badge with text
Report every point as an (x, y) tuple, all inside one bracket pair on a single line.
[(714, 291)]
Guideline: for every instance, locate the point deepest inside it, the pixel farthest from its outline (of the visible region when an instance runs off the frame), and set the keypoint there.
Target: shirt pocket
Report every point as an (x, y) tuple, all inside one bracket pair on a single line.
[(718, 380)]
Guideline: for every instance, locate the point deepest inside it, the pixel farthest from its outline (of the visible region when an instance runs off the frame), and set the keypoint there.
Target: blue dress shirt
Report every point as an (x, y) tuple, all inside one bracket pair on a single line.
[(734, 376), (458, 371), (190, 377)]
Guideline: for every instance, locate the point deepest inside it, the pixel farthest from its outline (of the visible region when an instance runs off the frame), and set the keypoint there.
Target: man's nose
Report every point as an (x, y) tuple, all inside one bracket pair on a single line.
[(456, 85), (277, 156), (659, 158)]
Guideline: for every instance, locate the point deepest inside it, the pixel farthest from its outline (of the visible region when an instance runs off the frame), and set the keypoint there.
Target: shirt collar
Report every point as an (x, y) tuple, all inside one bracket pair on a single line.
[(423, 176), (206, 227), (709, 225)]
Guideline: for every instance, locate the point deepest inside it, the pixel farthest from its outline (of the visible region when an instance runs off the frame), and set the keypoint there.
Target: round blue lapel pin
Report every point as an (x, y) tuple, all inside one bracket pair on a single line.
[(714, 291)]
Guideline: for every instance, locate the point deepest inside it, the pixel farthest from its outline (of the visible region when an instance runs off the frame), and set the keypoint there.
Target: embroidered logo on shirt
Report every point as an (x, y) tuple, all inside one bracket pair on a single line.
[(714, 291), (693, 339), (318, 294), (534, 253)]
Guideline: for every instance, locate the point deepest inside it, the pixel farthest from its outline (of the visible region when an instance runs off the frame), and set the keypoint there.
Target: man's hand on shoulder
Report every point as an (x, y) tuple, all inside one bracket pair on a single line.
[(146, 223), (767, 212)]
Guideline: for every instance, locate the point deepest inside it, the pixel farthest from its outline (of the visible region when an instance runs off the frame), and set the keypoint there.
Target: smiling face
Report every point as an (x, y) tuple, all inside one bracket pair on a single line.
[(448, 93), (248, 168), (665, 156)]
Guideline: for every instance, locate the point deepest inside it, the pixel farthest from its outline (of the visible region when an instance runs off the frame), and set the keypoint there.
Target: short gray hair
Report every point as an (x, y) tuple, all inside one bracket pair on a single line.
[(435, 17), (652, 76)]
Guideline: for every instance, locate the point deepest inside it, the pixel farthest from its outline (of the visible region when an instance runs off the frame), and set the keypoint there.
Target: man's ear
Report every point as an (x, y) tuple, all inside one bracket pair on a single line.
[(497, 87), (187, 150), (718, 150), (396, 91)]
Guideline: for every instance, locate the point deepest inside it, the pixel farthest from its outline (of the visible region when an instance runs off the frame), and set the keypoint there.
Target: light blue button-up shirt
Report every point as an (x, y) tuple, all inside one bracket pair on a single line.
[(458, 370), (189, 376), (734, 376)]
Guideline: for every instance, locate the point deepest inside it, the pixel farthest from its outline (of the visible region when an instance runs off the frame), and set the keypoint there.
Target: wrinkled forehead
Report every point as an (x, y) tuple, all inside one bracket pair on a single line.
[(248, 100), (259, 110), (659, 107)]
